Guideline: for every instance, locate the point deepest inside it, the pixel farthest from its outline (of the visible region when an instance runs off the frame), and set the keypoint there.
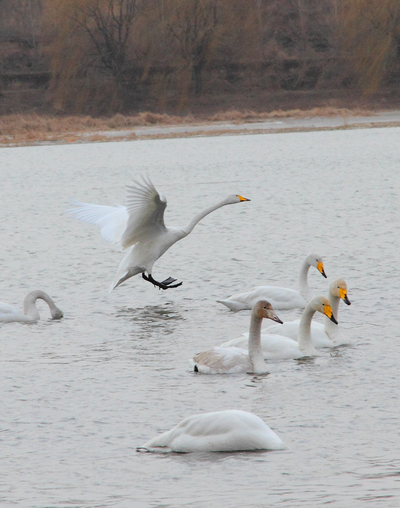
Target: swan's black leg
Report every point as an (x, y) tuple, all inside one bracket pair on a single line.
[(165, 284)]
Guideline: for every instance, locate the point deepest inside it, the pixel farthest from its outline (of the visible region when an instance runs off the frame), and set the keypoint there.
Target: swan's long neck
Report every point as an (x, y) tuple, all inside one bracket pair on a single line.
[(304, 340), (303, 282), (30, 308), (331, 329), (197, 218), (254, 347)]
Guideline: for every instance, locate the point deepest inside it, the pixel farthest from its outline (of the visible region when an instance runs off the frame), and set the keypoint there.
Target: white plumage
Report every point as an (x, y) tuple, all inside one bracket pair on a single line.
[(139, 227), (232, 360), (274, 347), (280, 298), (221, 431), (277, 347), (328, 334), (9, 314)]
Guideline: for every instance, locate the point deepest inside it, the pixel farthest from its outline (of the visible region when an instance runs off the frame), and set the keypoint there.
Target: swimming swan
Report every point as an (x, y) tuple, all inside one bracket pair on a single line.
[(231, 360), (323, 335), (9, 314), (276, 347), (139, 227), (280, 298), (222, 431)]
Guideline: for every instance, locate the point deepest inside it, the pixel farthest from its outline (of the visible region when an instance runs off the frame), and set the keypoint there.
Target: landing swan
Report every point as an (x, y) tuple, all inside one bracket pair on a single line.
[(280, 298), (323, 335), (139, 227), (231, 360), (9, 314), (222, 431), (276, 347)]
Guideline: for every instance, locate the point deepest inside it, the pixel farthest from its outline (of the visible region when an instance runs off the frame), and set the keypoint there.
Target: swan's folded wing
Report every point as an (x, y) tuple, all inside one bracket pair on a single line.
[(240, 342), (146, 213), (288, 329), (222, 360), (6, 309), (112, 220)]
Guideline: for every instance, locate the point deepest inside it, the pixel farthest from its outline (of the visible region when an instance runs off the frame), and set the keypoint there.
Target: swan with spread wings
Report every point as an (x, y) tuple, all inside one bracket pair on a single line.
[(139, 227)]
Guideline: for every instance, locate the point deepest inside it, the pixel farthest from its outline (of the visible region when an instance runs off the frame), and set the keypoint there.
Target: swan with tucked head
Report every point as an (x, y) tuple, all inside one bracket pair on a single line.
[(231, 360), (9, 314), (280, 298), (328, 334), (221, 431), (276, 347), (139, 227)]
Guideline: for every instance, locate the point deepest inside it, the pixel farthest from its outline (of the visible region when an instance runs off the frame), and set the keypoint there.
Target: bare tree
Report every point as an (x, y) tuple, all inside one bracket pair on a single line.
[(371, 40), (91, 53), (108, 24), (192, 24)]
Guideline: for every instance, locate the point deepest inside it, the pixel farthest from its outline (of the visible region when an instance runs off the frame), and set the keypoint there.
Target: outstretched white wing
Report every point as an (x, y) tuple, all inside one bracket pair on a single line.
[(140, 221), (145, 210), (112, 220)]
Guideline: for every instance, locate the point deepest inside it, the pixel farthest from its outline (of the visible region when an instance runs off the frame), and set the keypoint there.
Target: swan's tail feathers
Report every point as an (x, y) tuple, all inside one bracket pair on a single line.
[(198, 367), (122, 276), (154, 449), (118, 281), (232, 305)]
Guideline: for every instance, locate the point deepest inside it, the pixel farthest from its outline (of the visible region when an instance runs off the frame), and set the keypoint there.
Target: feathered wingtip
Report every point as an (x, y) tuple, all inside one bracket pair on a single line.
[(142, 183), (75, 206), (142, 179), (141, 190)]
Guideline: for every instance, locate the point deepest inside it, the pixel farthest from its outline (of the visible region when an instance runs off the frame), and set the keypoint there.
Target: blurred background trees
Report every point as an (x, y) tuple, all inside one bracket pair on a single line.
[(104, 56), (21, 35), (371, 41), (192, 24)]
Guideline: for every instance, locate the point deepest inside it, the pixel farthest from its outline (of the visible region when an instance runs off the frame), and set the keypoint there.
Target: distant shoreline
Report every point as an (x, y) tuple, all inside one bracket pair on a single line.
[(33, 130)]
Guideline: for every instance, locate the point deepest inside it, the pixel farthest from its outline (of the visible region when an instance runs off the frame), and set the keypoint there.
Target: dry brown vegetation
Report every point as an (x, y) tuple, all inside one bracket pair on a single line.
[(34, 129)]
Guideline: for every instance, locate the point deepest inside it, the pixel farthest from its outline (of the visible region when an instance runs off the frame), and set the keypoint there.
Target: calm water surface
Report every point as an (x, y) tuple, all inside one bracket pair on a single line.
[(79, 395)]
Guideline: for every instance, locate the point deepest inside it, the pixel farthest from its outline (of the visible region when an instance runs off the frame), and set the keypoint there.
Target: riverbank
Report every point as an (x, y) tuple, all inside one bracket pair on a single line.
[(33, 129)]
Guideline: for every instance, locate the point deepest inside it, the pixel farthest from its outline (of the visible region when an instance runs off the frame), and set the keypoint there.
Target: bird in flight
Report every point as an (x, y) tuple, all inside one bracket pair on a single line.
[(139, 227)]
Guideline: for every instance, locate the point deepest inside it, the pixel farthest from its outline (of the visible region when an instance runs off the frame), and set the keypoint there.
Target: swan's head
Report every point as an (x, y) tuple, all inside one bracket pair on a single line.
[(316, 261), (235, 198), (339, 288), (263, 309), (321, 304), (56, 313)]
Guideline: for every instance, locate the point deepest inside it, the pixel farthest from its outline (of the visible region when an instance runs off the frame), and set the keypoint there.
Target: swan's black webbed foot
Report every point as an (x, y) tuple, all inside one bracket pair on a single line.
[(165, 284), (168, 281)]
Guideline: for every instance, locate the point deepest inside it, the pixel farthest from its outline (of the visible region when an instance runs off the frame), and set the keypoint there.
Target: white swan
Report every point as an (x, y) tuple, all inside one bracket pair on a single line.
[(231, 360), (9, 314), (277, 347), (323, 335), (222, 431), (280, 298), (140, 227)]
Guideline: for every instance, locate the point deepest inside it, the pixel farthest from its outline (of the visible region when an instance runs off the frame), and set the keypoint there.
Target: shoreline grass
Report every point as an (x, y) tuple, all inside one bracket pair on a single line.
[(30, 129)]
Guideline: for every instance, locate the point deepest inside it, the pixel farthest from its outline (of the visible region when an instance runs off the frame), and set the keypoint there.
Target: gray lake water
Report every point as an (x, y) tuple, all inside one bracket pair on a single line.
[(79, 395)]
